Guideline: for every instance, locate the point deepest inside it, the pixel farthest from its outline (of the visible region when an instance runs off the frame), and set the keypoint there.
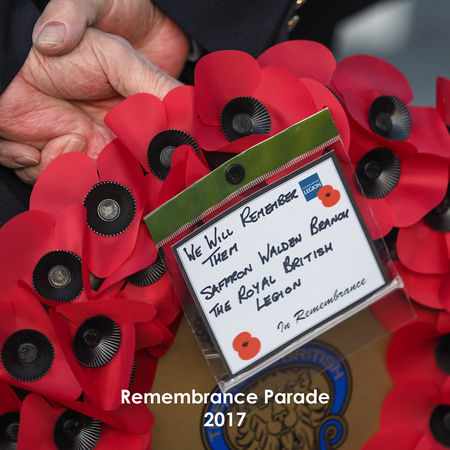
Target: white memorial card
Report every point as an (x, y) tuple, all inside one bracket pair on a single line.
[(280, 263)]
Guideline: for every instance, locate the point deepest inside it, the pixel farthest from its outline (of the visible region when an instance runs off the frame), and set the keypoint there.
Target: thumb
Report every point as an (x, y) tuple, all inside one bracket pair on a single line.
[(128, 71), (63, 23)]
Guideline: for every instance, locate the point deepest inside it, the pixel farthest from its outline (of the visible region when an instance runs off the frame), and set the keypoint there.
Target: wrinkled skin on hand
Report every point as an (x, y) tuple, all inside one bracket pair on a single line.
[(57, 103), (140, 22)]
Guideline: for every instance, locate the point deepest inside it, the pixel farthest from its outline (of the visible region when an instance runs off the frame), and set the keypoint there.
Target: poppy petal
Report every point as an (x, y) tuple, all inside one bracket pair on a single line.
[(443, 98), (312, 59), (423, 288), (409, 403), (423, 250), (422, 186), (180, 112), (213, 90), (290, 103), (135, 121), (324, 98), (411, 354), (369, 73), (64, 182), (428, 132)]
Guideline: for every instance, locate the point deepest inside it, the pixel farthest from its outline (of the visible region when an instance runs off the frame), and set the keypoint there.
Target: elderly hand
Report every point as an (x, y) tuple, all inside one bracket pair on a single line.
[(63, 24), (56, 104)]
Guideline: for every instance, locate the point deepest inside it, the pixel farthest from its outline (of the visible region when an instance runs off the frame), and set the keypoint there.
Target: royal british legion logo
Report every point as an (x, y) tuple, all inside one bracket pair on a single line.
[(310, 186)]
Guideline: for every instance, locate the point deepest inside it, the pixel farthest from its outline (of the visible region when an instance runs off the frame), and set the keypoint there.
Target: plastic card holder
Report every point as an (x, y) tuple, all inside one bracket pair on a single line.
[(271, 250)]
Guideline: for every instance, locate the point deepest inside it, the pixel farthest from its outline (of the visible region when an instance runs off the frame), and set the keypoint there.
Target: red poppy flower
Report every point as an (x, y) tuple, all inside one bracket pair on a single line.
[(427, 289), (377, 96), (324, 98), (425, 246), (114, 198), (186, 169), (443, 99), (99, 339), (304, 59), (400, 185), (420, 351), (417, 412), (143, 276), (235, 98), (47, 424), (46, 254), (31, 355), (152, 129), (10, 407), (368, 73)]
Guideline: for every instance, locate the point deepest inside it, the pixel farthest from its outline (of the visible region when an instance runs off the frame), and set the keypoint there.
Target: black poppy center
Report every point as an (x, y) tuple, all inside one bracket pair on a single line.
[(242, 124), (9, 429), (440, 424), (442, 353), (438, 218), (166, 156), (244, 116), (58, 276), (96, 341), (76, 431), (27, 355), (383, 122), (72, 427), (92, 337), (378, 172), (149, 275), (389, 117), (372, 170), (108, 210), (111, 208), (161, 148)]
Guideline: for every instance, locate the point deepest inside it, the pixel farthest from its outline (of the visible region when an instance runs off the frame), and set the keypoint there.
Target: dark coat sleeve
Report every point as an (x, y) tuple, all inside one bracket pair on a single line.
[(17, 18), (232, 24)]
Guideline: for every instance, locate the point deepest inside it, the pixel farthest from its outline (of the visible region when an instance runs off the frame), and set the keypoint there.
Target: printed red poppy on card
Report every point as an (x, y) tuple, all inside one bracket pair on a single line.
[(246, 345), (99, 340), (328, 196), (114, 197), (46, 254), (78, 425), (30, 353), (246, 101)]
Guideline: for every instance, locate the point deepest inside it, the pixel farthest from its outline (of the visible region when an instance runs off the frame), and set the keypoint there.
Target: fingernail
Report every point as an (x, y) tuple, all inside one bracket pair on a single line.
[(25, 161), (52, 33), (74, 145)]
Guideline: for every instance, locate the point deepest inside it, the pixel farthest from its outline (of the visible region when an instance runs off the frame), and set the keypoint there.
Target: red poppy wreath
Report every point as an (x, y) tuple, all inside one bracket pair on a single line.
[(86, 305)]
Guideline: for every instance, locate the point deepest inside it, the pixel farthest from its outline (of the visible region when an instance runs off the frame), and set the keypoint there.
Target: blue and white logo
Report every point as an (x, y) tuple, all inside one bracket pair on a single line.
[(310, 186)]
